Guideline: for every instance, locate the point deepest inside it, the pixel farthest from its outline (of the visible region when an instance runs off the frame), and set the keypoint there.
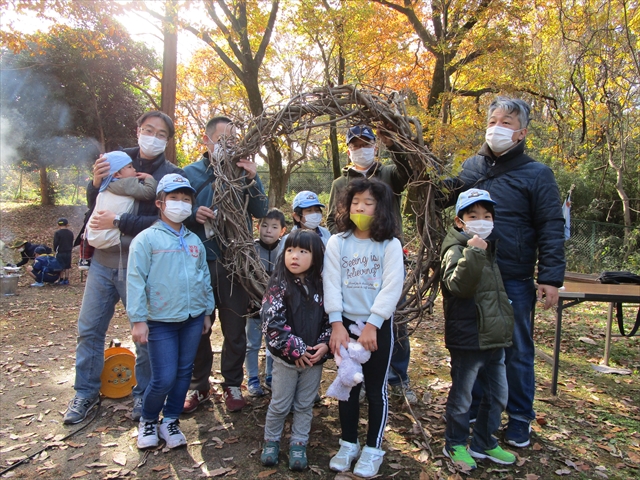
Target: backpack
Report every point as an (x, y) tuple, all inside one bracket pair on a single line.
[(50, 264)]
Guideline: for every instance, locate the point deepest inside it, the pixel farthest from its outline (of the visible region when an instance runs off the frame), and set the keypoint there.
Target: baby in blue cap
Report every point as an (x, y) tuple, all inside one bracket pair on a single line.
[(118, 192)]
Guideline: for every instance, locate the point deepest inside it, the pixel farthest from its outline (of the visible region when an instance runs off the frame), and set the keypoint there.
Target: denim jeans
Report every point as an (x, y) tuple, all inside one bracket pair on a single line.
[(254, 342), (101, 294), (519, 358), (172, 350), (400, 357), (468, 366), (295, 386)]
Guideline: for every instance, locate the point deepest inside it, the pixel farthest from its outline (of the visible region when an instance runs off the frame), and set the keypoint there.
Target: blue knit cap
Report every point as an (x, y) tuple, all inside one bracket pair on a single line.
[(117, 161)]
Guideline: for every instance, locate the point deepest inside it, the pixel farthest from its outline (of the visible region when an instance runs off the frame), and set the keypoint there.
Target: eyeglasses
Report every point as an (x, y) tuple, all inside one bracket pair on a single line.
[(151, 132)]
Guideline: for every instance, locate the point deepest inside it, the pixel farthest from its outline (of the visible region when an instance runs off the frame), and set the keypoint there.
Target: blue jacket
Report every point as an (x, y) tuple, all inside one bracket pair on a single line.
[(529, 221), (200, 176), (164, 282)]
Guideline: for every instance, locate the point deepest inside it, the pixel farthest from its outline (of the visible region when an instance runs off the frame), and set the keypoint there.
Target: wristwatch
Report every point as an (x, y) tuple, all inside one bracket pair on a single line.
[(116, 221)]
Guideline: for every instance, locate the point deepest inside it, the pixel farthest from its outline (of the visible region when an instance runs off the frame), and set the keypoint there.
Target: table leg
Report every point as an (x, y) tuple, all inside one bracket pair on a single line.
[(556, 349), (607, 338)]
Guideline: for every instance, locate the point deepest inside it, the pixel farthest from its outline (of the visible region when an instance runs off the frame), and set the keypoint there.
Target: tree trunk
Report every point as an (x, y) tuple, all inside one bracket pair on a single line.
[(44, 187), (277, 178), (335, 152), (169, 71)]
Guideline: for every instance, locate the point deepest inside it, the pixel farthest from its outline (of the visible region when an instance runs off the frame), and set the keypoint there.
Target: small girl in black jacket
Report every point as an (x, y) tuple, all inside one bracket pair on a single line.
[(297, 332)]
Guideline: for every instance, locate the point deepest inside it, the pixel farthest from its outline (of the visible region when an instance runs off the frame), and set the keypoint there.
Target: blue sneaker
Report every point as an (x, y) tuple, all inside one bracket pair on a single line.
[(254, 388), (267, 381), (37, 284), (517, 433)]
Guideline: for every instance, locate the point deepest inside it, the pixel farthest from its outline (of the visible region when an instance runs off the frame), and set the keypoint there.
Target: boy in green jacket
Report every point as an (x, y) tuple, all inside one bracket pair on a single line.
[(478, 326)]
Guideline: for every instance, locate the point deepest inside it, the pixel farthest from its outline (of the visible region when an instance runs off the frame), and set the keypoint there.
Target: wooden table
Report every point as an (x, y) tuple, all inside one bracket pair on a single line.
[(574, 293)]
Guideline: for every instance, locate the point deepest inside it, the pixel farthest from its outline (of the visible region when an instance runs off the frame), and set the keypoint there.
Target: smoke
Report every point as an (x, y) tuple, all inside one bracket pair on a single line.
[(36, 122)]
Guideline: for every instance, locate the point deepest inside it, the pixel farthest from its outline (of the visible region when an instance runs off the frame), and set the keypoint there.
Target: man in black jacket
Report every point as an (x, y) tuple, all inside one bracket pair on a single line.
[(107, 273), (529, 225)]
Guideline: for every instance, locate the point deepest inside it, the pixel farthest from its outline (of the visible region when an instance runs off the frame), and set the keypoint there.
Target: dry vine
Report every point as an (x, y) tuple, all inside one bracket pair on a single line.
[(331, 105)]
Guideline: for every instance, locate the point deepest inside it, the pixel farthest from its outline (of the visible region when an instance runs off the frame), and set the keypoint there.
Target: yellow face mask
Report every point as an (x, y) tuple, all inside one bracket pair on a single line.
[(362, 221)]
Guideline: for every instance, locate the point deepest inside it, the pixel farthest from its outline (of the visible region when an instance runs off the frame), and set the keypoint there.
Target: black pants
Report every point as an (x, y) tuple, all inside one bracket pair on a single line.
[(231, 303), (375, 377)]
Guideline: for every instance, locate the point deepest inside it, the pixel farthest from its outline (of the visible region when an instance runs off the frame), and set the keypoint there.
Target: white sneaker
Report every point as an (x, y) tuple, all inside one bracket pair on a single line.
[(369, 462), (147, 434), (341, 461), (169, 430)]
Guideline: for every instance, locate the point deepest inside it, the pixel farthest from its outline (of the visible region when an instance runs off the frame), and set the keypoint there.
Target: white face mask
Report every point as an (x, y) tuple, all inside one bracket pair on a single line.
[(482, 228), (177, 211), (151, 146), (363, 157), (312, 220), (499, 139)]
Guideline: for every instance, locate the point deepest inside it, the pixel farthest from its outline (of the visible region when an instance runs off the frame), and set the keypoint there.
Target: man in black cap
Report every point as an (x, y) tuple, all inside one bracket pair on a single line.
[(62, 245)]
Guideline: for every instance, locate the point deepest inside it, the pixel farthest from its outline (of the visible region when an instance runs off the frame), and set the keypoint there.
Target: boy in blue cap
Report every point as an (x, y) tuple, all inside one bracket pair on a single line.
[(118, 192), (478, 326), (307, 215), (169, 304), (45, 269)]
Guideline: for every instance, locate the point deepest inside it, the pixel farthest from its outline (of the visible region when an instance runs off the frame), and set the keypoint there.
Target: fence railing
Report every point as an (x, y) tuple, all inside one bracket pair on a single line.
[(596, 247)]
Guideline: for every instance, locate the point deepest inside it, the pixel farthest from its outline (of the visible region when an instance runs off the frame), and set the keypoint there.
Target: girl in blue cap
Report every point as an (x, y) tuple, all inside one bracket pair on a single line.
[(169, 303)]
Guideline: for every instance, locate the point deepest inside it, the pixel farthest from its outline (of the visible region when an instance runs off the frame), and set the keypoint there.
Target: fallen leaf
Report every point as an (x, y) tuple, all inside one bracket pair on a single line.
[(537, 447), (266, 473), (563, 471), (74, 457), (218, 472), (159, 468), (531, 476), (120, 458), (79, 474), (588, 340)]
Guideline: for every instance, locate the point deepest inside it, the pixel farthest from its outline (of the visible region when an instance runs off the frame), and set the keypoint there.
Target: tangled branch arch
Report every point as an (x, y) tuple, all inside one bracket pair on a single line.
[(355, 106)]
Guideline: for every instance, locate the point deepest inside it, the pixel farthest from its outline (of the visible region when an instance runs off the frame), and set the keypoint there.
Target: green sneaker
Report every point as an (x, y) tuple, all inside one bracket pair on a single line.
[(297, 457), (459, 453), (270, 452), (496, 455)]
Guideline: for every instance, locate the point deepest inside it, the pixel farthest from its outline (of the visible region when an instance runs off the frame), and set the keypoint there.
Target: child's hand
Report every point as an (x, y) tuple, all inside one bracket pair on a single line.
[(320, 351), (339, 336), (477, 242), (143, 176), (140, 332), (369, 337), (100, 170), (207, 324), (304, 361)]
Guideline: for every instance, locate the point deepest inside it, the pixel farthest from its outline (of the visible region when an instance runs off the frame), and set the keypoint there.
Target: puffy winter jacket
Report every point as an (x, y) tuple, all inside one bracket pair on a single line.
[(477, 312), (529, 221)]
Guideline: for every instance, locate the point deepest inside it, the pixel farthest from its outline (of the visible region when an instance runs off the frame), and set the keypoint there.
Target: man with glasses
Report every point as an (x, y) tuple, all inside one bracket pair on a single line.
[(232, 301), (362, 150), (107, 273)]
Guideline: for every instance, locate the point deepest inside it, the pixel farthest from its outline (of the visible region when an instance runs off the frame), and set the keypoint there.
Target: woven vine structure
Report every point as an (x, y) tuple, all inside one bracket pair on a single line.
[(321, 108)]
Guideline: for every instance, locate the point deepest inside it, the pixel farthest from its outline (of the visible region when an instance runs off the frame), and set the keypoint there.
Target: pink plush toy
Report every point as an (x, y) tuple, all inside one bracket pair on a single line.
[(349, 362)]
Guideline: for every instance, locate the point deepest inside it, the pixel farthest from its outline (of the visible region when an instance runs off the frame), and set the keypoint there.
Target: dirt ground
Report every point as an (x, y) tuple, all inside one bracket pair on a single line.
[(590, 430)]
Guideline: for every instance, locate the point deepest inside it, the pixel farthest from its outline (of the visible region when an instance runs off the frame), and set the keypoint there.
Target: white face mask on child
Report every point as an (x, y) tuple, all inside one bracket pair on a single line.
[(482, 228), (312, 220), (177, 211)]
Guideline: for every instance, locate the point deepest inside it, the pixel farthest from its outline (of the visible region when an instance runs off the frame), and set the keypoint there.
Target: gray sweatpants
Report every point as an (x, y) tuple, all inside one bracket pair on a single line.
[(291, 386)]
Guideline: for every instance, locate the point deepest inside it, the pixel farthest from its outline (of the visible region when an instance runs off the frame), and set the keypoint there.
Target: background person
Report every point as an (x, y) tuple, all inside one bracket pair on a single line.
[(362, 150), (63, 246), (27, 251), (232, 300)]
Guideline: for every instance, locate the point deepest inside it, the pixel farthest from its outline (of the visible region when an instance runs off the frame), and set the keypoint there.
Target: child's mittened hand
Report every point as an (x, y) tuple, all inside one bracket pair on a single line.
[(369, 337), (477, 242), (339, 336), (140, 332), (206, 326)]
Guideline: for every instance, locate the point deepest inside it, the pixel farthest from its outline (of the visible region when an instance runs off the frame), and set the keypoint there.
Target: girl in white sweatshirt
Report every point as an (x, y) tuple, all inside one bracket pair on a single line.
[(362, 278)]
